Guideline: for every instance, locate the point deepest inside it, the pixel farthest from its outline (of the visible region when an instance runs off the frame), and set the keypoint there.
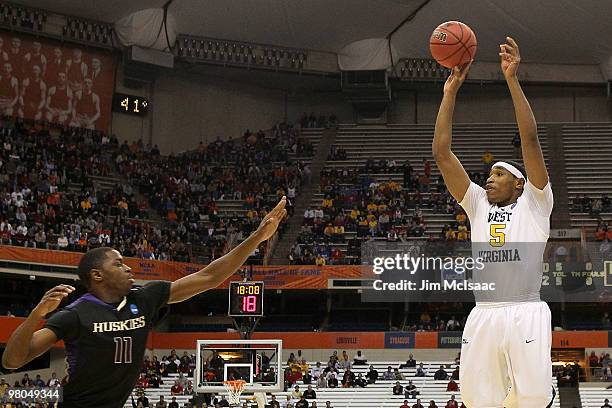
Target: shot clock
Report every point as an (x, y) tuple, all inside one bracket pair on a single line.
[(246, 298), (130, 104)]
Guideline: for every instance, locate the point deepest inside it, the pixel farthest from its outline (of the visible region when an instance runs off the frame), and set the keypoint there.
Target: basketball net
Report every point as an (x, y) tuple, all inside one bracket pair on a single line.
[(234, 389)]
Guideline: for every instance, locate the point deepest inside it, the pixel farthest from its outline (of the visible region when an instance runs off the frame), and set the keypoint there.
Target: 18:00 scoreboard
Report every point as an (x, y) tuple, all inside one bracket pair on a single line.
[(246, 298)]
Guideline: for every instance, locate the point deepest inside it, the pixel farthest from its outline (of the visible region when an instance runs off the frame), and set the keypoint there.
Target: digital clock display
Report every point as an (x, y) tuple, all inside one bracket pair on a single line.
[(130, 104), (246, 298)]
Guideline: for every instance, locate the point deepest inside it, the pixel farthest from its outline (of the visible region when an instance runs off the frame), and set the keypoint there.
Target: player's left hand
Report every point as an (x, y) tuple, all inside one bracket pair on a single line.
[(269, 224), (510, 58)]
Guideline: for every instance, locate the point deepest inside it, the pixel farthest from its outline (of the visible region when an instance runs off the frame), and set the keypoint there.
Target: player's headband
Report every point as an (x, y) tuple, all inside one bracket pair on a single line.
[(512, 169)]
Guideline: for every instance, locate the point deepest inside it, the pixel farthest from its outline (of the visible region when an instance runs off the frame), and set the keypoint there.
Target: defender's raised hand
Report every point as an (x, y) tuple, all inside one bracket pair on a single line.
[(269, 224)]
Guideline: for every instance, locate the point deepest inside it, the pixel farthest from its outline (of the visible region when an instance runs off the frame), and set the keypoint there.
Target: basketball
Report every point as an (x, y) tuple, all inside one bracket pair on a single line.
[(453, 43)]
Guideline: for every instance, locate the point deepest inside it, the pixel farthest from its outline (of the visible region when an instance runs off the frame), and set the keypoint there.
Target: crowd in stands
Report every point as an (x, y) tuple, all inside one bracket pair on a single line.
[(338, 372), (48, 199), (185, 189), (356, 203), (594, 206), (27, 382), (603, 232), (436, 323), (568, 374), (154, 371), (321, 121), (600, 366)]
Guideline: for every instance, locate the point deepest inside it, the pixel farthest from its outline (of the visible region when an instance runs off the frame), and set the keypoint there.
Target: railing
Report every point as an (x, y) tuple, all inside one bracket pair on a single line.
[(57, 26), (239, 53)]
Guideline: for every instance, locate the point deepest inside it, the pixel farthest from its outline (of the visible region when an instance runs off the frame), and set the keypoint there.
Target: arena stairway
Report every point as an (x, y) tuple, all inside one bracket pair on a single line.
[(281, 251), (592, 395)]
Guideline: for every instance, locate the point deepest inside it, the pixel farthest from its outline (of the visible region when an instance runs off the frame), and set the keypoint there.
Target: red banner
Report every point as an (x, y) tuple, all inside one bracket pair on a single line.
[(327, 340), (49, 80), (275, 277)]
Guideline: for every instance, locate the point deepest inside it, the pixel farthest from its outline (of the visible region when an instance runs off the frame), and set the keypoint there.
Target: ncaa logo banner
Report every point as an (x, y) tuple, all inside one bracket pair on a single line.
[(449, 339), (399, 340)]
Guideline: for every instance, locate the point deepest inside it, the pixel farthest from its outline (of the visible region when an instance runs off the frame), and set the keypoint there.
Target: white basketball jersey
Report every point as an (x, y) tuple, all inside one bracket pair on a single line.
[(510, 241)]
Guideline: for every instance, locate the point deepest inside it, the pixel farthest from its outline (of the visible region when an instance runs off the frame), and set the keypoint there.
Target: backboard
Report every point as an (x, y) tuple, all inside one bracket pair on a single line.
[(255, 361)]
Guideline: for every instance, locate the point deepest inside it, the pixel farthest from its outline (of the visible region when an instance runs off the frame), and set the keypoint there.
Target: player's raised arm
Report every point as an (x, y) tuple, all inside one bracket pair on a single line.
[(220, 269), (27, 343), (528, 129), (455, 177)]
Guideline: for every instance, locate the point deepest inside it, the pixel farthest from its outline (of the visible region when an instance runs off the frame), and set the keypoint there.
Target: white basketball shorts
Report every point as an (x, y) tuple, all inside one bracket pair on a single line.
[(505, 356)]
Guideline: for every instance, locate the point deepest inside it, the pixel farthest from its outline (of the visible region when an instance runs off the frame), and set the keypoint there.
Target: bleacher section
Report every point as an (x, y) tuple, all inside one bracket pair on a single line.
[(378, 395), (229, 207), (588, 159), (413, 143), (592, 395)]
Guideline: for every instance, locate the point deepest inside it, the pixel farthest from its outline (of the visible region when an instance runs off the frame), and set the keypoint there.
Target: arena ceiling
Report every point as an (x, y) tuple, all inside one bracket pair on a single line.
[(548, 31)]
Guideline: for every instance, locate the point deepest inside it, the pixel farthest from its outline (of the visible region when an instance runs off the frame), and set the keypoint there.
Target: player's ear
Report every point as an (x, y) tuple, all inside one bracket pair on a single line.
[(95, 275), (520, 183)]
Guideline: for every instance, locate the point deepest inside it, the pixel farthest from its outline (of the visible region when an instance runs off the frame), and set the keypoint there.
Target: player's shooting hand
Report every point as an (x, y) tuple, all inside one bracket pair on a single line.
[(51, 300), (269, 224), (510, 57), (456, 78)]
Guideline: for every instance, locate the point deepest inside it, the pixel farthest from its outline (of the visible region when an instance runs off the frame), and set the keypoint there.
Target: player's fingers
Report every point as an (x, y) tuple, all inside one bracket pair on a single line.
[(57, 293), (60, 290), (54, 290), (466, 68), (281, 204), (512, 42), (54, 299), (62, 287), (280, 207), (513, 48)]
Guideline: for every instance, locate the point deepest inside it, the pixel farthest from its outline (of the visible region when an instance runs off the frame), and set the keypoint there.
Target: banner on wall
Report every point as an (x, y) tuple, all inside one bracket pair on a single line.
[(42, 79), (399, 340), (449, 339), (337, 340), (274, 277)]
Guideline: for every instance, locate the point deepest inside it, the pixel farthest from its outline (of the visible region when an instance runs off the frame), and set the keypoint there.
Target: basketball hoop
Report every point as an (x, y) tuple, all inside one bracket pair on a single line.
[(234, 388)]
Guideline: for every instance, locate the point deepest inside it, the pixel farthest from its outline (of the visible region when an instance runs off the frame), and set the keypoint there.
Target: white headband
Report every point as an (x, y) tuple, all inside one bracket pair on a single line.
[(513, 170)]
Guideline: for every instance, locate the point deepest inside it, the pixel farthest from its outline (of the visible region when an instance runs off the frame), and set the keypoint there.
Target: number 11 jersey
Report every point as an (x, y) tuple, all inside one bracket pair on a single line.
[(105, 344)]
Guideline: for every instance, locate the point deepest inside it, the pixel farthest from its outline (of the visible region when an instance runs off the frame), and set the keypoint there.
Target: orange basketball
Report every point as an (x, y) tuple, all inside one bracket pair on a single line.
[(453, 43)]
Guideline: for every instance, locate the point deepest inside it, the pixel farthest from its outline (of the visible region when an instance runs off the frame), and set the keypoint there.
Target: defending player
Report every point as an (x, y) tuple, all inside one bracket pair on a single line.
[(504, 343), (105, 331)]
